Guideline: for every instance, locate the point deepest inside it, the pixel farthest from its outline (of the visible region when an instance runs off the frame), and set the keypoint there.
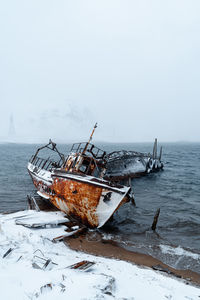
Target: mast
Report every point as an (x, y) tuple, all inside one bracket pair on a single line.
[(155, 149), (84, 150)]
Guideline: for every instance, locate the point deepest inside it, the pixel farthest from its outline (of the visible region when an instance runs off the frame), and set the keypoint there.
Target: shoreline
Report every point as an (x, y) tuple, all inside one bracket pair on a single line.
[(110, 249), (101, 247), (58, 272)]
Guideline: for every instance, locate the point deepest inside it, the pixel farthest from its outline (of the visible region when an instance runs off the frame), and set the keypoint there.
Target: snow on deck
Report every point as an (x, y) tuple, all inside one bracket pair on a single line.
[(106, 279)]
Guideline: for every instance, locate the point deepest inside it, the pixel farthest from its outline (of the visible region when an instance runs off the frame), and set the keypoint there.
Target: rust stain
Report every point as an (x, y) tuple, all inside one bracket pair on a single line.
[(81, 200)]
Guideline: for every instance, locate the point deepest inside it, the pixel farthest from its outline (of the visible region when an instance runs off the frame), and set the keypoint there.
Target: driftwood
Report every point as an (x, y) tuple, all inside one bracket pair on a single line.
[(72, 234), (8, 252)]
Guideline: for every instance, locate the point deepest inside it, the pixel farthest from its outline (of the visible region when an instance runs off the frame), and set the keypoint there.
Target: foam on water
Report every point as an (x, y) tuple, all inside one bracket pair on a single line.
[(179, 251)]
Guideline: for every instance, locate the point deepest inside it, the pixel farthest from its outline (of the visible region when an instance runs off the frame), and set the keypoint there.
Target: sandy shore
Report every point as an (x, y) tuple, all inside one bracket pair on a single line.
[(107, 248)]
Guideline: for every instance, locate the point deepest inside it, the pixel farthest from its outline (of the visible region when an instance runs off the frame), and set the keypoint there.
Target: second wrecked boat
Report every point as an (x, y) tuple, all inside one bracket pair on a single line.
[(75, 184), (130, 164)]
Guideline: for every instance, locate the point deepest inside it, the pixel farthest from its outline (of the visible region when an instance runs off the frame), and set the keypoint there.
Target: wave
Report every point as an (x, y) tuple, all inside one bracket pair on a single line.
[(179, 251)]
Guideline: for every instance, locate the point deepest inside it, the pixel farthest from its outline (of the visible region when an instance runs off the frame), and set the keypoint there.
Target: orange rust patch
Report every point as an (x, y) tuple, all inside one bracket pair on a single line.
[(81, 199)]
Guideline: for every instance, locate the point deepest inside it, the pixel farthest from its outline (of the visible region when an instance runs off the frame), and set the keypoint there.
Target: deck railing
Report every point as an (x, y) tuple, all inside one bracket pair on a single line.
[(44, 163)]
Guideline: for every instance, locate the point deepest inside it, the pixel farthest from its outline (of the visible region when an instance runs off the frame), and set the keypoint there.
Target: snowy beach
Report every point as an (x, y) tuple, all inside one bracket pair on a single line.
[(25, 251), (90, 206)]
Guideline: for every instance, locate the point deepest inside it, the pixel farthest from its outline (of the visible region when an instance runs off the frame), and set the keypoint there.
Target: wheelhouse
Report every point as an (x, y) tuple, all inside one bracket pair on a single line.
[(85, 158)]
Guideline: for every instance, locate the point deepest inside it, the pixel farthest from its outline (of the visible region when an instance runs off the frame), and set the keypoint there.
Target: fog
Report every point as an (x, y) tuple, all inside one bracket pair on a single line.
[(132, 66)]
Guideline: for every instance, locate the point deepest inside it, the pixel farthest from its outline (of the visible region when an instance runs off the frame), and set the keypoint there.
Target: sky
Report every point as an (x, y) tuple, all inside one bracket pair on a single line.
[(132, 66)]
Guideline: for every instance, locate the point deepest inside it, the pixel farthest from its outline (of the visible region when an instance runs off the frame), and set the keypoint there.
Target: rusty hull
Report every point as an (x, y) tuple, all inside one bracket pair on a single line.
[(77, 199), (80, 198)]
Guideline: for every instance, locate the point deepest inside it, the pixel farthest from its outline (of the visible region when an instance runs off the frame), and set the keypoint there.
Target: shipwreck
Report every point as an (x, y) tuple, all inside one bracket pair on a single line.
[(75, 184), (125, 164)]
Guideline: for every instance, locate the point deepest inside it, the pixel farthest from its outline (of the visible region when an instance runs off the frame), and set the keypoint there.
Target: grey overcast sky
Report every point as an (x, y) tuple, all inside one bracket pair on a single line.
[(132, 66)]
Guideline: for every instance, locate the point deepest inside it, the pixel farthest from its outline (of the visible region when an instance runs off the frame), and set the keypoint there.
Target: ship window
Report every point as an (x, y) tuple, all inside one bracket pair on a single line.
[(83, 168), (96, 172)]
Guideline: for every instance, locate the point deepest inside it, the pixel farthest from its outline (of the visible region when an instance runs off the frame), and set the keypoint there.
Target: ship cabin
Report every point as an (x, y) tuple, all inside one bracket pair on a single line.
[(86, 159)]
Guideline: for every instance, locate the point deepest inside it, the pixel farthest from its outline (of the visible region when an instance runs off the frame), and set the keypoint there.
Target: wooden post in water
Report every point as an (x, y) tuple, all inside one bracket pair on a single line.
[(30, 206), (155, 220)]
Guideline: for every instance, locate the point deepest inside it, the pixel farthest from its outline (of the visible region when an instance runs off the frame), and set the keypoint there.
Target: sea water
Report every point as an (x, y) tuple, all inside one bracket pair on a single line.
[(175, 190)]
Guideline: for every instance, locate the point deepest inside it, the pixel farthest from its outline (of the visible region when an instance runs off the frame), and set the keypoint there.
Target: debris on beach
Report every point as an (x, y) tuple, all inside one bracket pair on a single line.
[(69, 234), (54, 219), (8, 252), (82, 265)]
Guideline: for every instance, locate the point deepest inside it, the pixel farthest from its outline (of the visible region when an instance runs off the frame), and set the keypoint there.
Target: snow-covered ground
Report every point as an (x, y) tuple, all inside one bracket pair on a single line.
[(106, 279)]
